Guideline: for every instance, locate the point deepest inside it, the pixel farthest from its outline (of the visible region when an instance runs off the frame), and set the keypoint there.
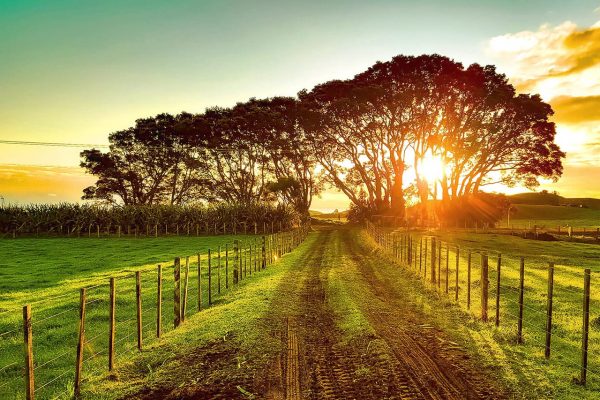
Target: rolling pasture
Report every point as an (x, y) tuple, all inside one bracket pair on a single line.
[(552, 216)]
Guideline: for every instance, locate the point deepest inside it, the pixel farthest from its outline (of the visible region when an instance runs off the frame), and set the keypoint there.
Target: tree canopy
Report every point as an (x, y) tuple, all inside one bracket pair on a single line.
[(368, 136)]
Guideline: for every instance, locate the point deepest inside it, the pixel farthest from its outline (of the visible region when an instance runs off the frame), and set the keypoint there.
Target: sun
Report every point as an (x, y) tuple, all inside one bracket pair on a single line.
[(431, 168)]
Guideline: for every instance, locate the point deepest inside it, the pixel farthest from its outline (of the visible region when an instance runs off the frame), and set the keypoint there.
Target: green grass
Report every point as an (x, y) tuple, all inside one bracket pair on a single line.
[(47, 273), (525, 364), (546, 216)]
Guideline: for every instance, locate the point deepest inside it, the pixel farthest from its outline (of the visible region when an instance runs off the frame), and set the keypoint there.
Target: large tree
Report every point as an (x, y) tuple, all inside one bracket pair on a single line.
[(367, 131), (257, 149), (149, 163)]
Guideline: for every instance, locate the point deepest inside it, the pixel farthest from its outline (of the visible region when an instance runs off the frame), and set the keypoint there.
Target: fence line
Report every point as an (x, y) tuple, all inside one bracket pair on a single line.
[(100, 329), (490, 282)]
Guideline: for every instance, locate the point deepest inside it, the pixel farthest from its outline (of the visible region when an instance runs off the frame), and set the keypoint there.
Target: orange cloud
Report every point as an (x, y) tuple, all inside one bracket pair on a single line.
[(39, 184), (584, 50), (562, 64), (576, 109), (553, 61)]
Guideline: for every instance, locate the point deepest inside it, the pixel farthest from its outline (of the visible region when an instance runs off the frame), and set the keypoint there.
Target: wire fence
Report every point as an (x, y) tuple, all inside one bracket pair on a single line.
[(551, 310), (89, 333)]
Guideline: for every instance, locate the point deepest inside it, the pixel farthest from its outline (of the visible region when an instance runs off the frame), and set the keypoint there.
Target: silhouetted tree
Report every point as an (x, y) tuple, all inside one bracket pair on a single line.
[(149, 163), (367, 131)]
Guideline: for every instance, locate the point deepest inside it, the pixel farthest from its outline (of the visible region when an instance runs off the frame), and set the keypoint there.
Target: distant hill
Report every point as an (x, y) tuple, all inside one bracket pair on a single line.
[(332, 215), (551, 199)]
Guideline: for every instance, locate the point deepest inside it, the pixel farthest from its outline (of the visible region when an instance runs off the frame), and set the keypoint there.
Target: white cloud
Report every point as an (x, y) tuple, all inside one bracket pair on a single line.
[(552, 61)]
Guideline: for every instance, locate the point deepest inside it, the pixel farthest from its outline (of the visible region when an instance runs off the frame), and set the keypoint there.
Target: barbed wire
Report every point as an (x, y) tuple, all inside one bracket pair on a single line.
[(52, 381), (51, 360)]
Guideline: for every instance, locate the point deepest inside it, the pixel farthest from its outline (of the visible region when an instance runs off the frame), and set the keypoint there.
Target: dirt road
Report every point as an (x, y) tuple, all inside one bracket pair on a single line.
[(402, 356), (351, 327)]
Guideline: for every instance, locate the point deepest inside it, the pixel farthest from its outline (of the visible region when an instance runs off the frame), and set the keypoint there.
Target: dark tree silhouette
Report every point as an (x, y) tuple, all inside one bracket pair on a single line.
[(365, 135), (149, 163), (367, 131)]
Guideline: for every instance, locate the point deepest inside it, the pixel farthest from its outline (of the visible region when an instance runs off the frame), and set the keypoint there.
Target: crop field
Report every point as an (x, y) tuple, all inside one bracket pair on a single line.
[(48, 273), (522, 364)]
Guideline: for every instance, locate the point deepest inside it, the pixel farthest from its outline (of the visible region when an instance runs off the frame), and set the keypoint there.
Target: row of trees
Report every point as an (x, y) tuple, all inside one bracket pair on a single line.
[(246, 154), (365, 136)]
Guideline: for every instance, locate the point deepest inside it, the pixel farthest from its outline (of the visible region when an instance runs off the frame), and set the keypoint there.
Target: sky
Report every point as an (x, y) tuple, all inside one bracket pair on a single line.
[(75, 71)]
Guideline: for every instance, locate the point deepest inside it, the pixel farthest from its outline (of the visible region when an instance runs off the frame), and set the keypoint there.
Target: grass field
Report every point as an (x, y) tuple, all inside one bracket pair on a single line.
[(525, 364), (550, 217), (47, 273)]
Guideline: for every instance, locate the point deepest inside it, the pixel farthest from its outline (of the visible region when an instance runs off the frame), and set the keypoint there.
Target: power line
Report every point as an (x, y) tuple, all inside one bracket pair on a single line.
[(52, 144), (79, 145)]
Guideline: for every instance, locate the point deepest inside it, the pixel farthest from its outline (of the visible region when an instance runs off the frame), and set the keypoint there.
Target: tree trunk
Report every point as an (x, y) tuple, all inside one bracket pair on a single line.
[(397, 196)]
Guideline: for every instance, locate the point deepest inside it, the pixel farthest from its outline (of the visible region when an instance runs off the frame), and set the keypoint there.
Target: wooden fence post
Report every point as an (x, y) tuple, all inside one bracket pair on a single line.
[(28, 339), (138, 297), (159, 301), (549, 309), (112, 324), (226, 266), (433, 245), (469, 280), (177, 293), (264, 252), (498, 269), (420, 254), (447, 266), (199, 278), (521, 294), (456, 280), (219, 271), (484, 287), (185, 287), (586, 326), (425, 260), (236, 255), (80, 343), (439, 265), (250, 253), (209, 278)]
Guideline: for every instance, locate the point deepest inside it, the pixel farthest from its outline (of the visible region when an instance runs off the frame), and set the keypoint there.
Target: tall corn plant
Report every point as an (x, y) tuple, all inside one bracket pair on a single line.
[(71, 219)]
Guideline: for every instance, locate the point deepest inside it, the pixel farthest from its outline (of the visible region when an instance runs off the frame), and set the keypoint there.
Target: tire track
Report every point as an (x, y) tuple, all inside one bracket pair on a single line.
[(438, 373), (330, 369)]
